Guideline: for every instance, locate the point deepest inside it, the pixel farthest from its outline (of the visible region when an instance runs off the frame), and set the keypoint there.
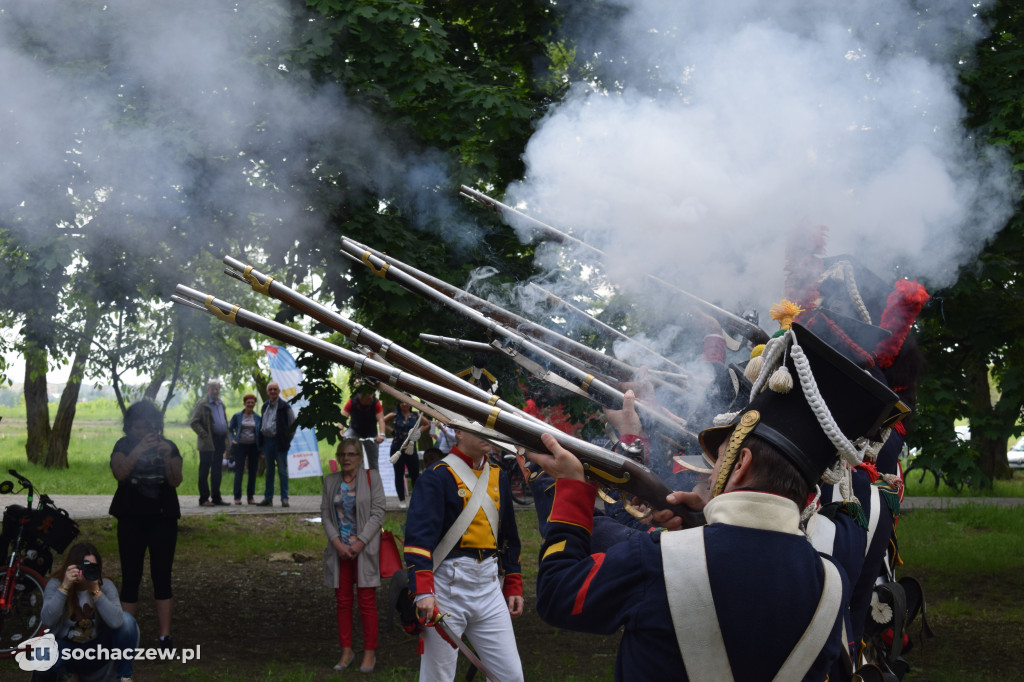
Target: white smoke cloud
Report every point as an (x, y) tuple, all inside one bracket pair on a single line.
[(763, 117), (180, 108)]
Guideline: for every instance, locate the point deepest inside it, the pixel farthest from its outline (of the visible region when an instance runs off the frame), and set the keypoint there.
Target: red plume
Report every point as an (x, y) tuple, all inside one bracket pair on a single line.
[(804, 249), (901, 309)]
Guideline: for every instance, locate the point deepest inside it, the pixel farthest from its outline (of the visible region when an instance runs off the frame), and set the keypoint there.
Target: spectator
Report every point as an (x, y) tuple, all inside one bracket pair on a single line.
[(147, 467), (245, 450), (366, 422), (276, 437), (352, 509), (404, 456), (444, 438), (81, 609), (210, 422)]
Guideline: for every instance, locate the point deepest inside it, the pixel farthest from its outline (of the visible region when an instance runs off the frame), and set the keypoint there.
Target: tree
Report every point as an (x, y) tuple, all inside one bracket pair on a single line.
[(972, 333), (453, 89)]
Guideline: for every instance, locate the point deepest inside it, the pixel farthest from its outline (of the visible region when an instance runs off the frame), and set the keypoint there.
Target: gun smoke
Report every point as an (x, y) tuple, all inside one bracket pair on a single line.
[(733, 123)]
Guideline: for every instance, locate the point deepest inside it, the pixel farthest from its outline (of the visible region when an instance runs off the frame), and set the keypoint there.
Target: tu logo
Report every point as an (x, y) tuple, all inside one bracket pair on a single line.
[(38, 653)]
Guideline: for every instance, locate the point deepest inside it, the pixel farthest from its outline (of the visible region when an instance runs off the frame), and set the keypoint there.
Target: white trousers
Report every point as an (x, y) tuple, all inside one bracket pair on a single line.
[(470, 592)]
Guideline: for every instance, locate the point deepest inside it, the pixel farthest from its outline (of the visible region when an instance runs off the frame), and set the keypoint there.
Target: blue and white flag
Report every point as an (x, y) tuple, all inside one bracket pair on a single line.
[(303, 455)]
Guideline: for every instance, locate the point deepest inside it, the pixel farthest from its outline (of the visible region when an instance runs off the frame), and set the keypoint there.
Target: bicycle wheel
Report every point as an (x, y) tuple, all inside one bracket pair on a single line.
[(22, 621)]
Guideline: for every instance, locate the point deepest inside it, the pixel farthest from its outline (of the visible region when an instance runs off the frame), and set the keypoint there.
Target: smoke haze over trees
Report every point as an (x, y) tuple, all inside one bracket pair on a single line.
[(141, 143)]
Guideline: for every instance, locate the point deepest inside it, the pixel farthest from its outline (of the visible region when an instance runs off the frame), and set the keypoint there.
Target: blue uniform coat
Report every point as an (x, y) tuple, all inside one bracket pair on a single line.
[(766, 585)]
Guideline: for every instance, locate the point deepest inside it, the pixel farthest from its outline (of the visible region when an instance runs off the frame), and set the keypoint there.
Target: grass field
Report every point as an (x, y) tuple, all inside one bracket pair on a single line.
[(93, 439), (969, 560)]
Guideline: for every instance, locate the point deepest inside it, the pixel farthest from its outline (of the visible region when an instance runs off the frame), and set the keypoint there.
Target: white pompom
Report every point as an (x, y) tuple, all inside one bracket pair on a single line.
[(881, 612), (753, 368), (781, 380)]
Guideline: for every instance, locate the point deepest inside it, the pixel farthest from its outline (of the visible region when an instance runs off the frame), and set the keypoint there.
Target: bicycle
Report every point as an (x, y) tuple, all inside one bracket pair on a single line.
[(32, 534)]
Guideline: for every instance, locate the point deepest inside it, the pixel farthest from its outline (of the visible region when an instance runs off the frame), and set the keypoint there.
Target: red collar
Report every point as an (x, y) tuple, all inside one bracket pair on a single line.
[(467, 459)]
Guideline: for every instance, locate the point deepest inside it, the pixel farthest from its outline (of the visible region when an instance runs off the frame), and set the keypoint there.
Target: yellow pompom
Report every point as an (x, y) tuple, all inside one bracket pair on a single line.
[(757, 350), (781, 380), (783, 312)]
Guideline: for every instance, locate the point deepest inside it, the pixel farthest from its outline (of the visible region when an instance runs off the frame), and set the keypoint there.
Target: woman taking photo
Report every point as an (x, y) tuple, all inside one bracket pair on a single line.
[(352, 509), (245, 451), (404, 421), (147, 467), (81, 609)]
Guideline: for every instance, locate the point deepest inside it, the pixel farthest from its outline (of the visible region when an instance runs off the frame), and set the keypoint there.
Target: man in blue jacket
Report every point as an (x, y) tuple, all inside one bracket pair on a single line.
[(276, 435), (745, 597)]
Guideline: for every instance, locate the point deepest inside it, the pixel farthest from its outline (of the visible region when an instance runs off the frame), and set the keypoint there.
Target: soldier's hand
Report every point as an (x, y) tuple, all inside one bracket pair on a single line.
[(560, 463), (668, 520), (425, 606), (626, 420), (515, 606)]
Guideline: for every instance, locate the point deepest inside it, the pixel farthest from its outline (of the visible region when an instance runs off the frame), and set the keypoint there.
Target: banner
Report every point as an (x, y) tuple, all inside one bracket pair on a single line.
[(303, 455)]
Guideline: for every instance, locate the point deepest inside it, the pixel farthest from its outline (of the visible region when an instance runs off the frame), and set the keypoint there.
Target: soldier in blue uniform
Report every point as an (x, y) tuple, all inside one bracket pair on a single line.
[(461, 526), (732, 599)]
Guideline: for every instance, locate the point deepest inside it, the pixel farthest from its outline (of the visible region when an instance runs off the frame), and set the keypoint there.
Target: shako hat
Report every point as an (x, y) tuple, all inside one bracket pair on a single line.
[(854, 339), (832, 404)]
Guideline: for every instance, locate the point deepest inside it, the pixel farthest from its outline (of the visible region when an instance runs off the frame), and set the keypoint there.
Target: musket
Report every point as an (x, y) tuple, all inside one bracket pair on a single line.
[(453, 343), (608, 364), (608, 330), (605, 367), (573, 378), (496, 347), (603, 466), (729, 321), (383, 348)]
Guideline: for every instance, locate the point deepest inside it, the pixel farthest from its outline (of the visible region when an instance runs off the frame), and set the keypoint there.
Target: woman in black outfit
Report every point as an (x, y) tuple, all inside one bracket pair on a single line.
[(147, 467), (245, 446)]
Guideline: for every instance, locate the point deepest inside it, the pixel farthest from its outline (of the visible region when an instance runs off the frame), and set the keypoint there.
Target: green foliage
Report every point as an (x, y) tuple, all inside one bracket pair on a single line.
[(973, 331)]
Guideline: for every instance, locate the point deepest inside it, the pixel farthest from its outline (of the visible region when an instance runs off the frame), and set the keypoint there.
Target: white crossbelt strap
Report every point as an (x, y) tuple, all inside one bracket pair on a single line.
[(816, 635), (821, 531), (693, 607), (478, 498), (684, 563), (876, 512)]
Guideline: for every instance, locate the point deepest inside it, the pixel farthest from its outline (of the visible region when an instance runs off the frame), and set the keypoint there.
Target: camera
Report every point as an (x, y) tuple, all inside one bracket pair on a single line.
[(90, 571)]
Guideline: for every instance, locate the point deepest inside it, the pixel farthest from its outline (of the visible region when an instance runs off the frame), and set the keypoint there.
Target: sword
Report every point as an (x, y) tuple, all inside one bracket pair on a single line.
[(449, 636)]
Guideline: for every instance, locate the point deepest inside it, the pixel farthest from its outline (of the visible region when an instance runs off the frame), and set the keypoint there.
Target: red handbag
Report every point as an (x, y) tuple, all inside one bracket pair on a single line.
[(390, 559)]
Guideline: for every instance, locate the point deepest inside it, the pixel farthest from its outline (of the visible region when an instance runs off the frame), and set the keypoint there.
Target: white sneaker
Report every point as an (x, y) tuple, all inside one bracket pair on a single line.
[(401, 504)]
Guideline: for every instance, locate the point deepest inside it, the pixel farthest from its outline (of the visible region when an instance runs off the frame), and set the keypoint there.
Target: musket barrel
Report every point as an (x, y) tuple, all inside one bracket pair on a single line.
[(357, 333), (730, 321), (605, 329), (608, 364), (607, 467), (597, 390), (458, 344)]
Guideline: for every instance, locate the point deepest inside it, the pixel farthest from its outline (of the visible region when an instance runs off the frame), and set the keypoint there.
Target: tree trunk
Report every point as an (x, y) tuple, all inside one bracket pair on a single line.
[(60, 436), (980, 403), (153, 389), (37, 408), (113, 360), (180, 336), (993, 459)]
